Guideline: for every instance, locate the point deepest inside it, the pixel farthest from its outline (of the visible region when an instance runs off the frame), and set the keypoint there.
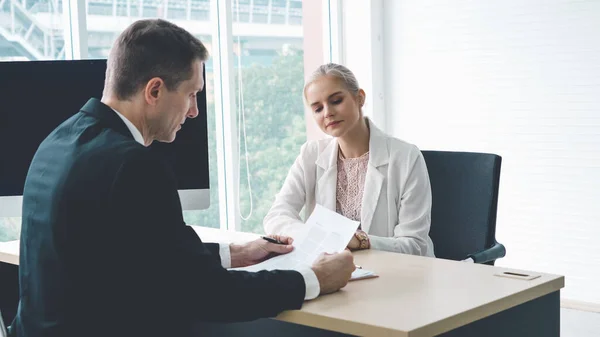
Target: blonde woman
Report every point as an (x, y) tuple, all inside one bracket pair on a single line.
[(360, 172)]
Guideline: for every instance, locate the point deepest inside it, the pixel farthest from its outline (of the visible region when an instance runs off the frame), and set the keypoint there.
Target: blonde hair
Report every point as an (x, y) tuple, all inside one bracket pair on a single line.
[(337, 71)]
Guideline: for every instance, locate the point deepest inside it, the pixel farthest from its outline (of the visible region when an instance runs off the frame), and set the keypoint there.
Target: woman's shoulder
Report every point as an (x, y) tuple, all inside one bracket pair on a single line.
[(395, 145), (403, 155), (403, 146), (398, 148)]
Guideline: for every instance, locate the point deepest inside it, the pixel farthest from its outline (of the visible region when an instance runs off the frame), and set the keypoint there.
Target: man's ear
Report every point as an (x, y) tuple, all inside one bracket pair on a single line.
[(153, 90)]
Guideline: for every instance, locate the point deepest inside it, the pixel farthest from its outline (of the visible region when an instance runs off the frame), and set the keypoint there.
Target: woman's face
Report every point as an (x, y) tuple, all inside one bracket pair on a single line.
[(334, 108)]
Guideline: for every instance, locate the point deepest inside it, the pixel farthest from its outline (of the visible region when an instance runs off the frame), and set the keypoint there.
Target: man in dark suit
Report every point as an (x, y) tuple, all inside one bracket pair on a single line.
[(104, 248)]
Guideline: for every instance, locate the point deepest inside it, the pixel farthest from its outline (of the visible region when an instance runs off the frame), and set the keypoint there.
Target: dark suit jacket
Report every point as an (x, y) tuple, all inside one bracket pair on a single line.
[(105, 250)]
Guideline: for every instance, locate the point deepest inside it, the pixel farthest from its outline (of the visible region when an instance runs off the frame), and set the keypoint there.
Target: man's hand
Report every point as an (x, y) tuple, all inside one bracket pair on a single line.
[(333, 271), (259, 250)]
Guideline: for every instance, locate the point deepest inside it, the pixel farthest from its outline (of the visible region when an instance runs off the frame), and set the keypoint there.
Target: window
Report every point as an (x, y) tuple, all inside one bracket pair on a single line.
[(10, 228), (268, 60), (31, 30), (269, 110)]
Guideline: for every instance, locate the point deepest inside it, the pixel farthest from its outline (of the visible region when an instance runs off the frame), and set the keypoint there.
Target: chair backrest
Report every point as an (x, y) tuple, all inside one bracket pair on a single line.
[(464, 186)]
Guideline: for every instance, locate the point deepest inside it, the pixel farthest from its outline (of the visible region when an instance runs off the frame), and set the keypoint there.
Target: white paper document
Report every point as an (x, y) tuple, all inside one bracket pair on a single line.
[(360, 274), (325, 231)]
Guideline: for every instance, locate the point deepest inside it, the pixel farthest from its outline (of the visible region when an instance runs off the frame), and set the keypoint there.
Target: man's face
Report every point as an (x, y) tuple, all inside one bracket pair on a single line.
[(174, 107)]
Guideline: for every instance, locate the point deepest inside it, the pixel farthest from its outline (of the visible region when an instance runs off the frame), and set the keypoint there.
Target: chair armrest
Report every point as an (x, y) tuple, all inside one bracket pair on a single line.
[(490, 254)]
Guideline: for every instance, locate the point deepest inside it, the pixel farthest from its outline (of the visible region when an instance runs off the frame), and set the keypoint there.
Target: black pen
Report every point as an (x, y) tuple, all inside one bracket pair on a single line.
[(271, 240)]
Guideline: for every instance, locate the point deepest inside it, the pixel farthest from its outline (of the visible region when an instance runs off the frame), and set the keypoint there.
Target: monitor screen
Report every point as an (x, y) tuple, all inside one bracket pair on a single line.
[(37, 96)]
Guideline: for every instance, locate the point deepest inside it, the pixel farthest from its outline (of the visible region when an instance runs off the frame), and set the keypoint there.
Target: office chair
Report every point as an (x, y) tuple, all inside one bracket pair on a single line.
[(464, 188), (3, 332)]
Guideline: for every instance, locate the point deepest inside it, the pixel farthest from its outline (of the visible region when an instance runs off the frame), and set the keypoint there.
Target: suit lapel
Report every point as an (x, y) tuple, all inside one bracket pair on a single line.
[(327, 182), (378, 156)]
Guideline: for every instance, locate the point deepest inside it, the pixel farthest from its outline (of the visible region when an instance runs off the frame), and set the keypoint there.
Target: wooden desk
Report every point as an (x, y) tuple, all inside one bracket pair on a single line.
[(413, 297), (9, 280), (9, 252)]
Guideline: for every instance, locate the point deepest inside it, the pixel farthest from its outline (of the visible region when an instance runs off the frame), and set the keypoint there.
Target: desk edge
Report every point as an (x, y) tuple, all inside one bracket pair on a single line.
[(9, 258), (433, 329), (489, 309), (337, 324)]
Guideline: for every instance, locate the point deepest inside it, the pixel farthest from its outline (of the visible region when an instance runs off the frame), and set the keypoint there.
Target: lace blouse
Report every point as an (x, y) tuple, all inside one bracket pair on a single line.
[(350, 185)]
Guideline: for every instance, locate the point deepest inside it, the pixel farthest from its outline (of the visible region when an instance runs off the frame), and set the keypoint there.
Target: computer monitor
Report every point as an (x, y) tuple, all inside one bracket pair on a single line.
[(37, 96)]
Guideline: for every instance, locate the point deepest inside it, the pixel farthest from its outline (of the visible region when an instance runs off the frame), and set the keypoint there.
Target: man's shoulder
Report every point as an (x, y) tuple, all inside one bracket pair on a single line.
[(119, 148), (115, 153), (102, 142), (89, 147)]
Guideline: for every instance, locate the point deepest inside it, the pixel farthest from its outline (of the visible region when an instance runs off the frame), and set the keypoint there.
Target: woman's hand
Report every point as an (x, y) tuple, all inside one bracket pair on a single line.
[(355, 243)]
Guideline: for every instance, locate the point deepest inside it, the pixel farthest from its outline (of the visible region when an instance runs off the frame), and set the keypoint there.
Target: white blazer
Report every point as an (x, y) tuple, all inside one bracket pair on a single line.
[(396, 205)]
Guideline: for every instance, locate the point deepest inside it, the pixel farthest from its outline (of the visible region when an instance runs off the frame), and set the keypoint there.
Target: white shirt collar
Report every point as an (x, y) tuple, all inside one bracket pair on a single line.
[(137, 135)]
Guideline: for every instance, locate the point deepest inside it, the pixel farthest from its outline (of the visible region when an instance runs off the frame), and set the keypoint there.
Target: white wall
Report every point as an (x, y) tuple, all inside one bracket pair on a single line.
[(520, 78)]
